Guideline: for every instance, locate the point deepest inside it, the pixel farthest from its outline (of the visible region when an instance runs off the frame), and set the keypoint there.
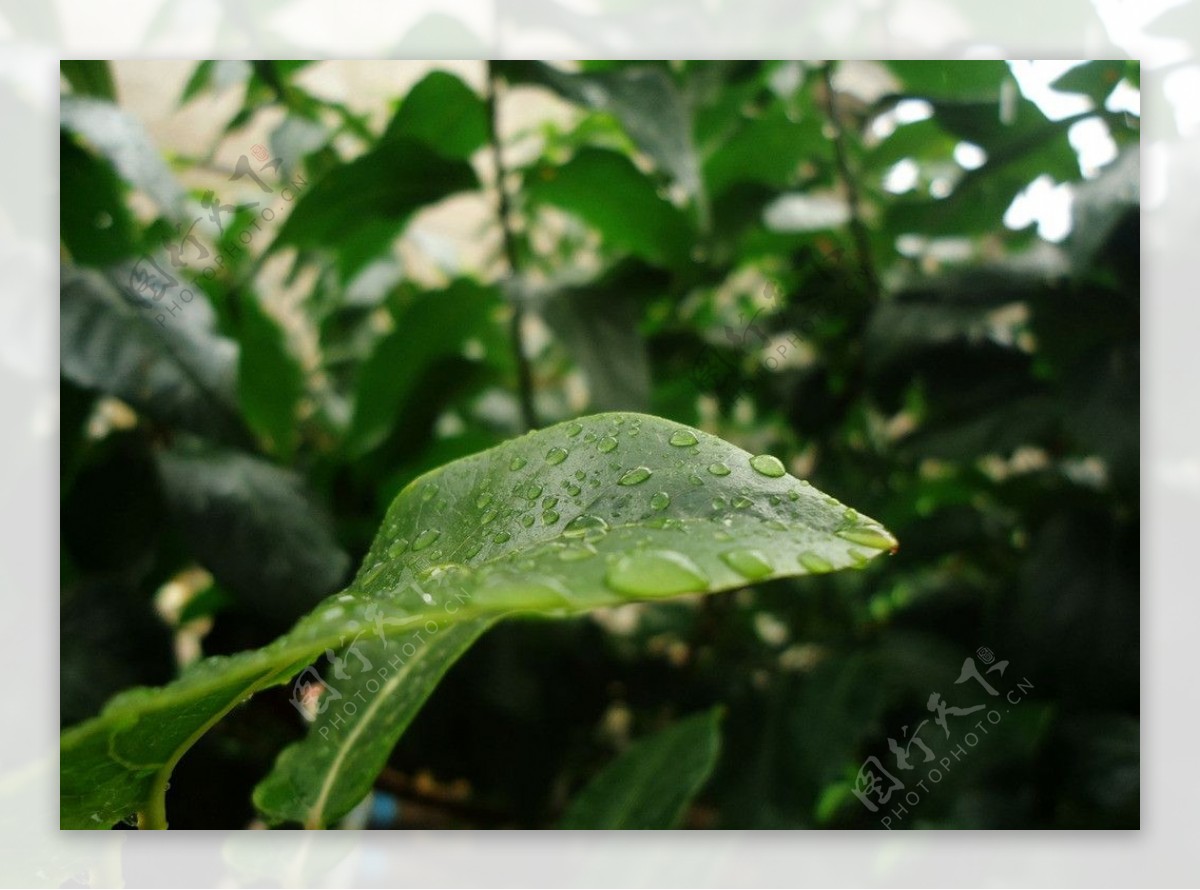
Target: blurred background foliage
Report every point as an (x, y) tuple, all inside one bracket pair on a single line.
[(835, 263)]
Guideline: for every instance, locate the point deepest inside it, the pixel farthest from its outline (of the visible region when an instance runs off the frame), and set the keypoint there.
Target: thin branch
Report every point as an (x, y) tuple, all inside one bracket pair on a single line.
[(858, 229), (511, 254)]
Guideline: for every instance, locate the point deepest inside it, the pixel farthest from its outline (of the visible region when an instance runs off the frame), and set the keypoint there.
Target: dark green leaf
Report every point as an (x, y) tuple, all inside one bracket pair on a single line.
[(651, 784), (444, 113), (89, 77), (270, 379)]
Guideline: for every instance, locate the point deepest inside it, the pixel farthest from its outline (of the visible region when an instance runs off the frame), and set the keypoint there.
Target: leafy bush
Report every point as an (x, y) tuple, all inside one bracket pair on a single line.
[(295, 458)]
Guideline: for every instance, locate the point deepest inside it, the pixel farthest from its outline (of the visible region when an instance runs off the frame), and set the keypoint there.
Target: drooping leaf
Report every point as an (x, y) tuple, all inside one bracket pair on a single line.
[(95, 224), (610, 509), (609, 193), (651, 784), (158, 354), (319, 779)]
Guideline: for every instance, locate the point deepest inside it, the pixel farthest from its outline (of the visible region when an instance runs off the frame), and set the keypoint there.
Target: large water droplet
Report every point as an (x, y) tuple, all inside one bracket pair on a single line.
[(768, 465), (425, 538), (718, 469), (530, 492), (574, 429), (607, 444), (870, 536), (751, 564), (556, 456), (655, 573), (815, 563), (585, 526), (682, 438), (660, 501), (576, 552), (549, 503), (636, 476), (550, 517), (397, 547), (527, 520)]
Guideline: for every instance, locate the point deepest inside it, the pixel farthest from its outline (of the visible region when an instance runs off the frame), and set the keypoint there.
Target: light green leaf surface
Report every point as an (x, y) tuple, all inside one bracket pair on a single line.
[(651, 784), (606, 510)]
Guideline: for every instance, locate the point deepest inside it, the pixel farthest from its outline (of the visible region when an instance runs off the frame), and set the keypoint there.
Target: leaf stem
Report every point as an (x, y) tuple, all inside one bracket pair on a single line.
[(511, 254), (858, 229)]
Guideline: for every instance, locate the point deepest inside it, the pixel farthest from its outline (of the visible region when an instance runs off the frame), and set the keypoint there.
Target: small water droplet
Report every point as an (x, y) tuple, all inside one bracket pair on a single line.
[(429, 493), (815, 563), (607, 444), (751, 564), (517, 462), (655, 573), (718, 469), (660, 501), (373, 572), (549, 503), (530, 492), (574, 429), (527, 520), (550, 517), (425, 538), (778, 524), (585, 526), (775, 500), (483, 500), (742, 503), (501, 537), (768, 465), (718, 503), (556, 456), (851, 515), (636, 476), (695, 480), (473, 550), (488, 516), (397, 547), (870, 536), (682, 438), (573, 490), (793, 495)]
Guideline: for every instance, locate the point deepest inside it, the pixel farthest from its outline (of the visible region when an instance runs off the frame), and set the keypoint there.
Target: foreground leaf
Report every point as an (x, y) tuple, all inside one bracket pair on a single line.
[(610, 509), (650, 786)]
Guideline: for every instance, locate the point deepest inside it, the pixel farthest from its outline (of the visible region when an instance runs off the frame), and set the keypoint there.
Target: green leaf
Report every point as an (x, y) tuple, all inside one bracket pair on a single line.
[(270, 380), (643, 98), (767, 150), (319, 779), (359, 208), (171, 366), (89, 77), (255, 526), (1093, 79), (650, 786), (444, 113), (974, 80), (432, 326), (606, 190), (96, 226), (125, 142), (610, 509)]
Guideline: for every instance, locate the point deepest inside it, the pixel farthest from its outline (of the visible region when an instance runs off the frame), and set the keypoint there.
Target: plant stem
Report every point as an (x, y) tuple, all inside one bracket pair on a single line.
[(858, 229), (511, 254)]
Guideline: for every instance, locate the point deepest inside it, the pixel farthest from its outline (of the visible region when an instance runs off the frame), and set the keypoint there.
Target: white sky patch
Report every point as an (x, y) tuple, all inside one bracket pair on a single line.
[(1045, 203), (1094, 144), (1181, 87), (969, 156), (1035, 77), (902, 177), (907, 111)]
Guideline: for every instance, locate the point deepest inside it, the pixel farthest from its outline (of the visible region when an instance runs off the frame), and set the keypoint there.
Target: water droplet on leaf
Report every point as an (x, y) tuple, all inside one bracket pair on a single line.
[(655, 573), (751, 564), (768, 465), (682, 438), (425, 538), (636, 476)]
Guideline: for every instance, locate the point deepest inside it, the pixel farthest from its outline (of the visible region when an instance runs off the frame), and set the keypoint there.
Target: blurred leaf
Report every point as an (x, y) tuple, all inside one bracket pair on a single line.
[(89, 78), (216, 75), (555, 564), (432, 326), (270, 379), (255, 526), (358, 209), (975, 80), (1093, 79), (767, 150), (598, 324), (170, 367), (644, 99), (125, 142), (606, 190), (444, 113), (651, 784), (94, 222)]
